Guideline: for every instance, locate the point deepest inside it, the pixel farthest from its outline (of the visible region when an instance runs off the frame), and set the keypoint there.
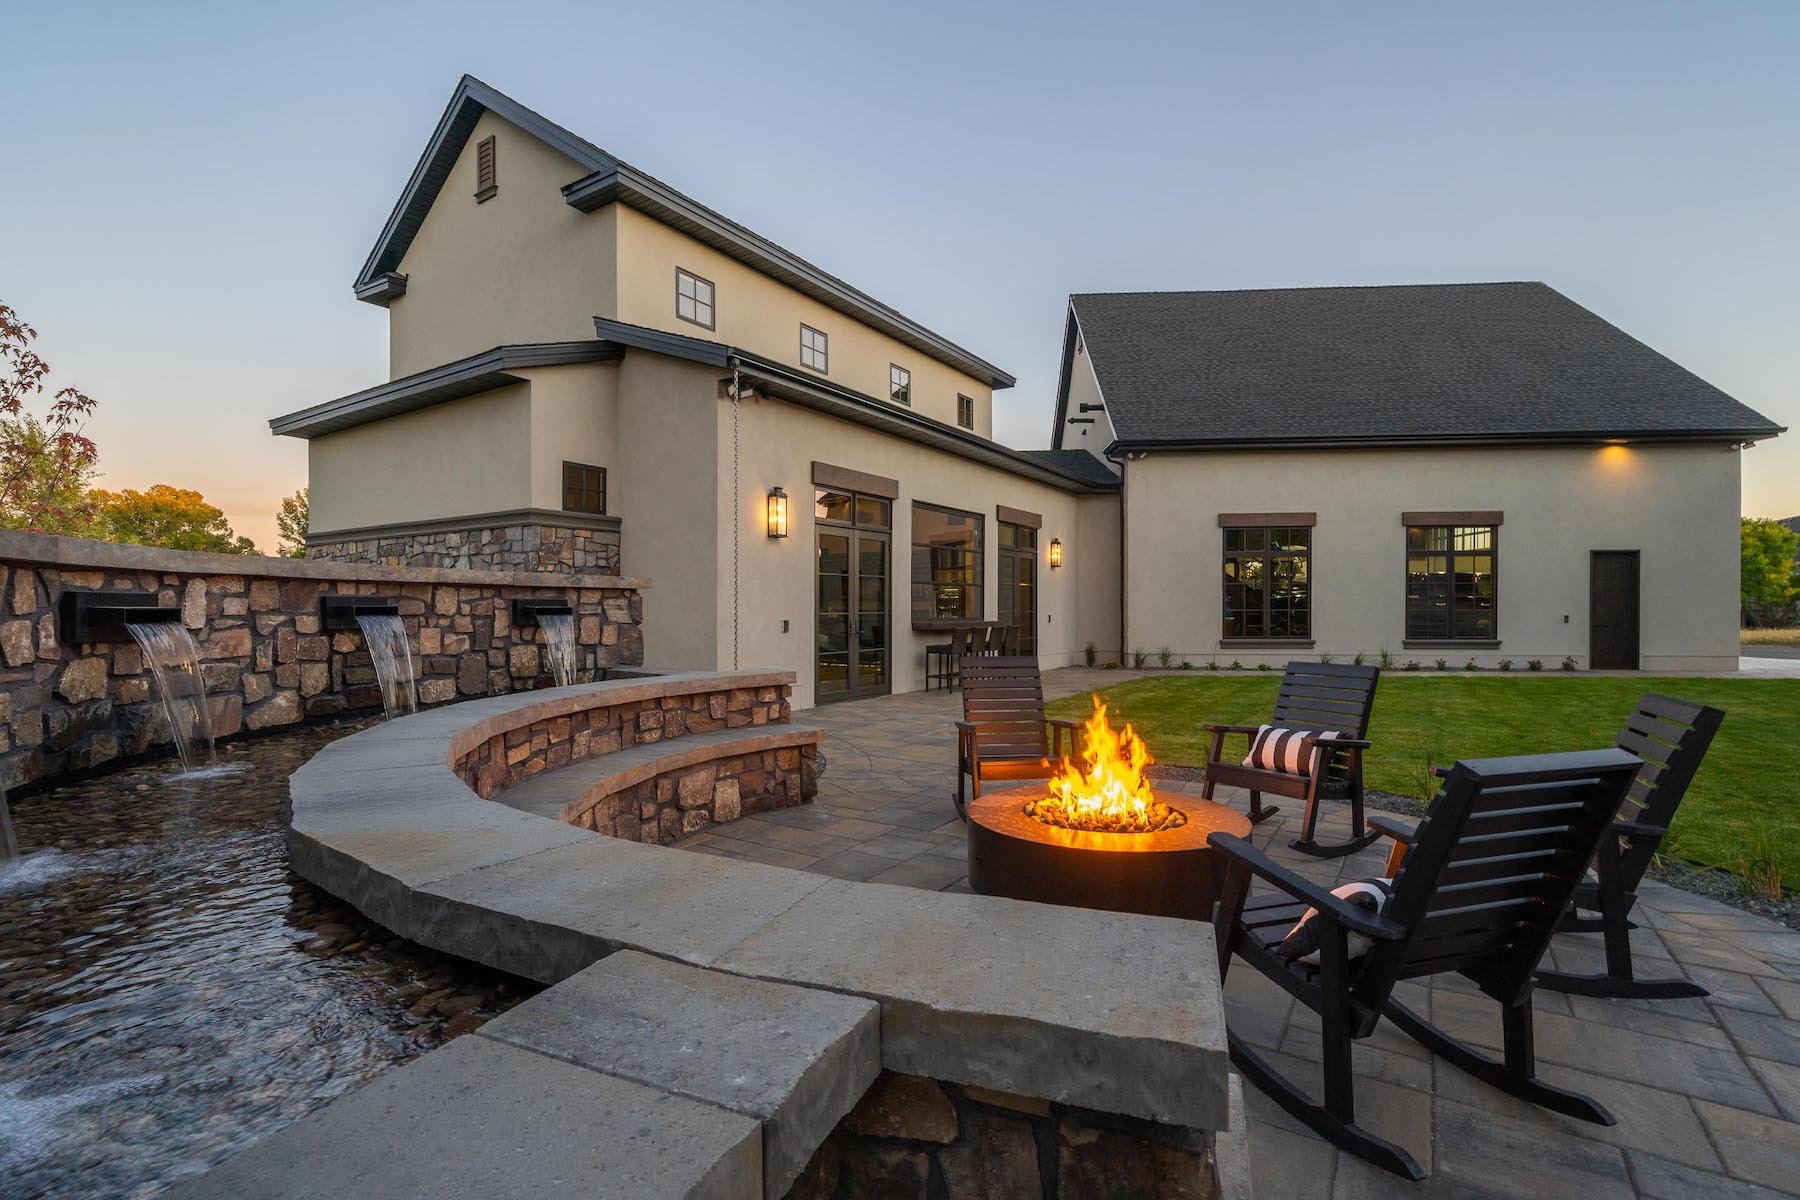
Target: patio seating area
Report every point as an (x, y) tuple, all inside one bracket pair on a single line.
[(1706, 1091)]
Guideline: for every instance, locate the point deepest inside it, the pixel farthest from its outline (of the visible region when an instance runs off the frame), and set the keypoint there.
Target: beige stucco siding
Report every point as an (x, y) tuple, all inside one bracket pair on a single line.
[(1091, 431), (519, 267), (574, 418), (468, 456), (755, 313), (1676, 505)]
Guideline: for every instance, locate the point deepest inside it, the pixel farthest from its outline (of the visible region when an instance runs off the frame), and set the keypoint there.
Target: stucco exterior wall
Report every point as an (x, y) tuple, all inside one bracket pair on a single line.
[(755, 313), (1096, 433), (521, 266), (574, 418), (1677, 505)]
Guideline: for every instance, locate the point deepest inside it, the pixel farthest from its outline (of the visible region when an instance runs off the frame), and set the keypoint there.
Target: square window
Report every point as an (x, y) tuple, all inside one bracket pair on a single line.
[(584, 488), (813, 349), (693, 298), (899, 385)]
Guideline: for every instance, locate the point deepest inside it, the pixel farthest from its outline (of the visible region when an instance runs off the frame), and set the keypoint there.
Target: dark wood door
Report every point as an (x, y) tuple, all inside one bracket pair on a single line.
[(1613, 610)]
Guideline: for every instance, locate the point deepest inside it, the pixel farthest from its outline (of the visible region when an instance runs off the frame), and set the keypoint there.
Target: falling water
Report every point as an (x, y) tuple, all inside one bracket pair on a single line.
[(559, 645), (9, 844), (174, 662), (392, 656)]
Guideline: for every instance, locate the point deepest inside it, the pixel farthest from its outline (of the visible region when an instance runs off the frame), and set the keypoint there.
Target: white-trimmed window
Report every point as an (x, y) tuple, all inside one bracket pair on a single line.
[(813, 351), (965, 412), (693, 298), (899, 385)]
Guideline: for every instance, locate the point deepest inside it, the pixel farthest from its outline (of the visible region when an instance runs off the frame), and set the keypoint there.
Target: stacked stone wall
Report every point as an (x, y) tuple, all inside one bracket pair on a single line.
[(523, 547)]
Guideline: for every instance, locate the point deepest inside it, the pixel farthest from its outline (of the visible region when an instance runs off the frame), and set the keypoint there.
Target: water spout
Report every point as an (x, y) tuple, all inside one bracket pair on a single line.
[(174, 662), (392, 656), (559, 645)]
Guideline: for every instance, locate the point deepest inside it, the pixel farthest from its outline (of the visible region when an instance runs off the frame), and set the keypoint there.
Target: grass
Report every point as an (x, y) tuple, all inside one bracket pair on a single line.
[(1769, 637), (1742, 812)]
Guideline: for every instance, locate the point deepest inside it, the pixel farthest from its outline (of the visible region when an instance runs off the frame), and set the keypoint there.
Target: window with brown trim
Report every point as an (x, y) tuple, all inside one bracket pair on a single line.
[(1452, 575), (584, 488), (899, 385), (693, 298), (1268, 582), (486, 177), (946, 563), (965, 411), (813, 349)]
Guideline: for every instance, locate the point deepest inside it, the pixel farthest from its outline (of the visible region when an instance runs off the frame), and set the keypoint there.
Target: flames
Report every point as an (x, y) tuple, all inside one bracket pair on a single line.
[(1108, 792)]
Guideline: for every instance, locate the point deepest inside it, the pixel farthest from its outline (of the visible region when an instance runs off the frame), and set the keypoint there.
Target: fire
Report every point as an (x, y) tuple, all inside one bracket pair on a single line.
[(1108, 793)]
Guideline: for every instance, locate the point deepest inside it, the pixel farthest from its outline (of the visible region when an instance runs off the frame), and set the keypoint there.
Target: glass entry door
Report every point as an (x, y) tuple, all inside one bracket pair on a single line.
[(1018, 583), (851, 622)]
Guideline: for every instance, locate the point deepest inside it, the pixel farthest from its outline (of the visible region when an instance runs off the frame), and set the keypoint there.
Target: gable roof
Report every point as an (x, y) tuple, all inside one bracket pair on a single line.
[(610, 180), (1416, 364)]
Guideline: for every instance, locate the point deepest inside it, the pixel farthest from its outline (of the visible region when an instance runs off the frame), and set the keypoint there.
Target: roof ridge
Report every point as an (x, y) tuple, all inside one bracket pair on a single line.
[(1321, 287)]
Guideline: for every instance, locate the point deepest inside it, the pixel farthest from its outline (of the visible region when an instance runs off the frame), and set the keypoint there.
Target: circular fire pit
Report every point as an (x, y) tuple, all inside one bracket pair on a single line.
[(1170, 873)]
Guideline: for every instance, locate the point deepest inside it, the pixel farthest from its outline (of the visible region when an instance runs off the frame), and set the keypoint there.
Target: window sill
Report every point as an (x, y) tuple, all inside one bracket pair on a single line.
[(1453, 644), (1265, 643), (486, 194)]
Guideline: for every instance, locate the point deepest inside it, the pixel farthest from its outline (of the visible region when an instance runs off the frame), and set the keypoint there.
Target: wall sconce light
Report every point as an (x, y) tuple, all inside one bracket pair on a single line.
[(1055, 553), (778, 512)]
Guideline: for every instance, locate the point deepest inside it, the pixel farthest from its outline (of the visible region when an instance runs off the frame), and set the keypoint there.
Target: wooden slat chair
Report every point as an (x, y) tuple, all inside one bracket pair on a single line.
[(1321, 697), (1005, 733), (1671, 738), (1490, 873)]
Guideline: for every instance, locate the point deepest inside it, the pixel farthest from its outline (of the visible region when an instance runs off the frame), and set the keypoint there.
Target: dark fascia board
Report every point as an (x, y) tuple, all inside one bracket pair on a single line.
[(1071, 332), (452, 381), (622, 183), (1568, 438), (675, 345), (788, 384), (470, 99), (383, 289)]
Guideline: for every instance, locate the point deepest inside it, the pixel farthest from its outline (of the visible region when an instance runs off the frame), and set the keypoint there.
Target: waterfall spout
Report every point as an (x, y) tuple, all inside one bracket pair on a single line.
[(559, 645), (174, 662), (392, 656)]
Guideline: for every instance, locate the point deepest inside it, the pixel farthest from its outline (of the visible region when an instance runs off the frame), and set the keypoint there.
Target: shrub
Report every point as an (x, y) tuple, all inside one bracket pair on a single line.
[(1236, 665), (1359, 658), (1412, 664), (1326, 658), (1262, 666), (1386, 659), (1442, 665), (1186, 665), (1535, 664), (1568, 664), (1139, 658), (1506, 664), (1212, 664), (1760, 870), (1109, 666), (1164, 657), (1471, 665), (1088, 654)]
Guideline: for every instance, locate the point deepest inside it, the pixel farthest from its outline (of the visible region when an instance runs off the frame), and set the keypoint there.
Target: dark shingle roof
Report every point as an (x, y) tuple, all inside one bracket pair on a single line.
[(1076, 464), (1435, 362)]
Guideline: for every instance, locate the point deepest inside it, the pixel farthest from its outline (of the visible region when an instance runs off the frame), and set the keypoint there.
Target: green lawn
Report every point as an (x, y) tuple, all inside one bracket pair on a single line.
[(1742, 813)]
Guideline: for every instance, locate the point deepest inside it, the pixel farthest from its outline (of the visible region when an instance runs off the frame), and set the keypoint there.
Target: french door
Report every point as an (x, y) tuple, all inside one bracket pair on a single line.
[(852, 537), (1018, 583)]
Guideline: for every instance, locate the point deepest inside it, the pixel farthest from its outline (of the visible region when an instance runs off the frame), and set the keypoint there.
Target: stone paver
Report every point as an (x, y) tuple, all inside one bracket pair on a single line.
[(1707, 1092)]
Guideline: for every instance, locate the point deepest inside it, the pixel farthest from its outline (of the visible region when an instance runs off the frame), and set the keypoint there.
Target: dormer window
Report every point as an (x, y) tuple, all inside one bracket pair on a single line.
[(812, 349), (899, 385), (693, 298), (485, 178)]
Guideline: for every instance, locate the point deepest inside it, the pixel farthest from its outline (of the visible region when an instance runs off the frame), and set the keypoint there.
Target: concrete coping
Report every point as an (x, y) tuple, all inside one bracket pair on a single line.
[(81, 554), (1106, 1011)]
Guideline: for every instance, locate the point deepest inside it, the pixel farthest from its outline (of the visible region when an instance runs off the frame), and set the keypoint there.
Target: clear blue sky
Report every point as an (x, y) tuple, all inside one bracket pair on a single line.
[(188, 190)]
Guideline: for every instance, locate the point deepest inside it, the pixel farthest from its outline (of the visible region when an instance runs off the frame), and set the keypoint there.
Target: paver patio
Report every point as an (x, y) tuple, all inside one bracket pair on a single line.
[(1707, 1092)]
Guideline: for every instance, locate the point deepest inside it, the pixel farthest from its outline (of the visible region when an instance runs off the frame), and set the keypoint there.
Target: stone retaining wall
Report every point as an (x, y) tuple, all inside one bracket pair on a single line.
[(265, 660), (518, 547)]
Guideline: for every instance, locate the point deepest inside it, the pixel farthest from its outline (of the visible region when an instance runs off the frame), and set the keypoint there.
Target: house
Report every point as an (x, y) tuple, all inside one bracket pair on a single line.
[(592, 371)]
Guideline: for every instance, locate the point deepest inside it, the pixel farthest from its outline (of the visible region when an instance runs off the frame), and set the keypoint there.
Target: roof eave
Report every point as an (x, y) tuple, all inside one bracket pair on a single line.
[(1565, 438)]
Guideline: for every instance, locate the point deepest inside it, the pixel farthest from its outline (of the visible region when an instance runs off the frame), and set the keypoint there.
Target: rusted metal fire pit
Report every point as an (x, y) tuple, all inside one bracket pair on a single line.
[(1169, 873)]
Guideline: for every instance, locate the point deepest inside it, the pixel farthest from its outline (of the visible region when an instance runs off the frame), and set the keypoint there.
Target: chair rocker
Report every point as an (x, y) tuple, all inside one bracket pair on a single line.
[(1004, 733), (1320, 698), (1490, 872)]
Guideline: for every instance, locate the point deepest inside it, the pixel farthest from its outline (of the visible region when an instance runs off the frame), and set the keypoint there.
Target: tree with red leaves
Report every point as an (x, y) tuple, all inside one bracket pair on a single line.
[(45, 463)]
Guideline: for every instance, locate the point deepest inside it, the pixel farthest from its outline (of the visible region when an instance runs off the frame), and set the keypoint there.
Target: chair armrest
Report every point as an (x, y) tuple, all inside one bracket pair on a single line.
[(1340, 743), (1441, 772), (1637, 829), (1246, 729), (1071, 726), (1350, 916), (1404, 834)]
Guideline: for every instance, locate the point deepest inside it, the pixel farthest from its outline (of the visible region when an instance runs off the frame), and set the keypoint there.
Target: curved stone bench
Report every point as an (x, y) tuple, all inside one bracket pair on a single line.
[(1103, 1012)]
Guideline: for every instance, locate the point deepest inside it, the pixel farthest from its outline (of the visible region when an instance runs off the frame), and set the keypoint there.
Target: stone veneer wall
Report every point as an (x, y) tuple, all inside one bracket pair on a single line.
[(265, 661), (520, 547), (912, 1138), (674, 803)]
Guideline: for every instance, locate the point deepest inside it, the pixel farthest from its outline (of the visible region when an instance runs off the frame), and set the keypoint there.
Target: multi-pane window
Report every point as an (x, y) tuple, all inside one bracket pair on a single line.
[(1451, 572), (1268, 582), (965, 412), (899, 384), (812, 348), (584, 488), (1018, 583), (693, 298), (946, 564)]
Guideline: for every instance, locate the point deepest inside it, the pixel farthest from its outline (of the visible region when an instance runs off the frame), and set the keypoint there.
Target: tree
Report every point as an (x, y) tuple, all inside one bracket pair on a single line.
[(292, 522), (1770, 576), (45, 463), (162, 515)]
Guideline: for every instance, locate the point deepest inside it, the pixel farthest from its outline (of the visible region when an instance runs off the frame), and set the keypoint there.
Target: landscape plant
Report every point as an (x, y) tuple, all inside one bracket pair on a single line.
[(45, 462)]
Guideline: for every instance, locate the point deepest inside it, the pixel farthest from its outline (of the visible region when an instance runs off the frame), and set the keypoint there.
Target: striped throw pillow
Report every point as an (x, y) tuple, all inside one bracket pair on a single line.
[(1284, 750), (1302, 941)]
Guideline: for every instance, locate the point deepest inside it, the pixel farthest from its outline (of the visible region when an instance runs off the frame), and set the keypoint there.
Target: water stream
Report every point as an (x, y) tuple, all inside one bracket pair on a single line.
[(559, 645), (174, 662), (392, 656), (9, 842)]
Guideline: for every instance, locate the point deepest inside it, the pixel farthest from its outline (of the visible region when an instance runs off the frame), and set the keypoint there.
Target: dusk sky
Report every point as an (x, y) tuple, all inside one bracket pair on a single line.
[(189, 190)]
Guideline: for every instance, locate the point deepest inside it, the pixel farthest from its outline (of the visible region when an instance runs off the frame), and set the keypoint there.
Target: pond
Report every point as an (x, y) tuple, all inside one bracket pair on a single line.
[(170, 992)]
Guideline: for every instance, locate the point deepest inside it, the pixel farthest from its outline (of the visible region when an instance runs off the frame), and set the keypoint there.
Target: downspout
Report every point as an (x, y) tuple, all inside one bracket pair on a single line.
[(1123, 546), (736, 517)]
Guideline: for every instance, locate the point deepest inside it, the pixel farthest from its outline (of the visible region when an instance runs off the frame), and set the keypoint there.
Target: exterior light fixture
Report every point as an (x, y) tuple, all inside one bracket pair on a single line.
[(778, 512), (1055, 553)]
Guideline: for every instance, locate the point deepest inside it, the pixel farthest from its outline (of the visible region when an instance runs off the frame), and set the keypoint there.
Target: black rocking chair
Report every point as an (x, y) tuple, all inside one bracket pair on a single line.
[(1320, 698), (1490, 872)]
